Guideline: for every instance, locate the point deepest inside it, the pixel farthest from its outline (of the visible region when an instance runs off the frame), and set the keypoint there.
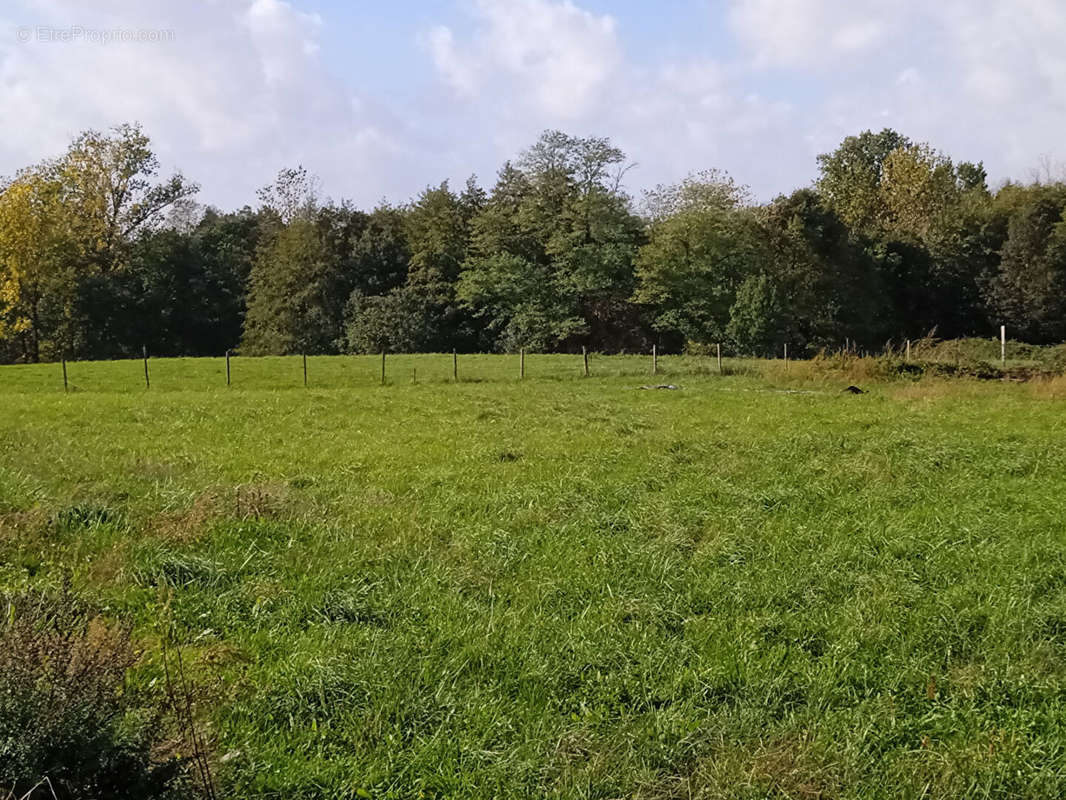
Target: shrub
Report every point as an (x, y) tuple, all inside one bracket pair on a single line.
[(398, 322), (65, 712)]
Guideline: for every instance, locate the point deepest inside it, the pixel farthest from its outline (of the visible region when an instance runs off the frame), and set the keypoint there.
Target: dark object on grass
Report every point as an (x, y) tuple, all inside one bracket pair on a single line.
[(661, 386), (854, 390)]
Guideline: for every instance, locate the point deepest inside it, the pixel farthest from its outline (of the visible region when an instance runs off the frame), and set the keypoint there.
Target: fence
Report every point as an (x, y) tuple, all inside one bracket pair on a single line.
[(340, 371), (284, 372)]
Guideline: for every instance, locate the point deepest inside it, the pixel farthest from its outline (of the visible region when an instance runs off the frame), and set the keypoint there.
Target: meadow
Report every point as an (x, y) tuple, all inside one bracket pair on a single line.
[(756, 585)]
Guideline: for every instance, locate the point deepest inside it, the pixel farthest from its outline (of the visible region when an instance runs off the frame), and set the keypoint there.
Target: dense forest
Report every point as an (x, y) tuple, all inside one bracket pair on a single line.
[(101, 256)]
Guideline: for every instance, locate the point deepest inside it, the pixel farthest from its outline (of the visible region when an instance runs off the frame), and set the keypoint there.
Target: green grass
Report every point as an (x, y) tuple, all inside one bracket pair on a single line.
[(565, 587)]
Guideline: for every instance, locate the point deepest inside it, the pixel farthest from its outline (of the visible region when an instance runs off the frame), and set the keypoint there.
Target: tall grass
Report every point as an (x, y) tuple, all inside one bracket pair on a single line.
[(755, 585)]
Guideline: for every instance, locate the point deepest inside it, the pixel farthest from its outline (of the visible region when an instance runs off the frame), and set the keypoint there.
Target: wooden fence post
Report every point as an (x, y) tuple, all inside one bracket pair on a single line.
[(382, 367), (227, 368), (585, 356), (908, 357), (305, 369), (65, 374), (144, 353), (522, 364), (786, 356), (1003, 344), (654, 360), (718, 347), (455, 366)]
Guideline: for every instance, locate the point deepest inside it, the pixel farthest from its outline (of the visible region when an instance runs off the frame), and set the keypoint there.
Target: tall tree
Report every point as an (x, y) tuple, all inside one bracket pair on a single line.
[(182, 292), (551, 253), (850, 179), (826, 288), (703, 242), (1029, 291), (35, 245), (300, 282), (70, 220), (438, 225), (111, 193)]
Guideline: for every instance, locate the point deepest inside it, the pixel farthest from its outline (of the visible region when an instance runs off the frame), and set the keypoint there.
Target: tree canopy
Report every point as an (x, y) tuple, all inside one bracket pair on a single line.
[(100, 256)]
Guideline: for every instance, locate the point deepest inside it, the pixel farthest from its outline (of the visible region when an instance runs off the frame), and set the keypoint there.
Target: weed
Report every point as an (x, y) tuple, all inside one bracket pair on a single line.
[(69, 726)]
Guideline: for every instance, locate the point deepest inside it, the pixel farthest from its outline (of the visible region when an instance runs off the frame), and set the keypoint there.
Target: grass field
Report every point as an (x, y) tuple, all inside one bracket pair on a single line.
[(567, 587)]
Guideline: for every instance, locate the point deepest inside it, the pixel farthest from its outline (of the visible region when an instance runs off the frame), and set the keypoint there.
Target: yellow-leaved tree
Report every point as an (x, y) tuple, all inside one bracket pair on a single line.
[(65, 221), (34, 243)]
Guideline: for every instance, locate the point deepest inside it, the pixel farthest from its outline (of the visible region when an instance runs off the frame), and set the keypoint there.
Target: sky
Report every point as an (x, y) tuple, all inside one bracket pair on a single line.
[(381, 99)]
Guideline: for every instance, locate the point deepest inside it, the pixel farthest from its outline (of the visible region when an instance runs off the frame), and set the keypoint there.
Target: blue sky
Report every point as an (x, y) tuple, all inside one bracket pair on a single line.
[(381, 99)]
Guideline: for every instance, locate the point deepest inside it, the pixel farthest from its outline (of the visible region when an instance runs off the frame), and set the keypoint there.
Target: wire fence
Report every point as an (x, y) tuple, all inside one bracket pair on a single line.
[(346, 371), (334, 372)]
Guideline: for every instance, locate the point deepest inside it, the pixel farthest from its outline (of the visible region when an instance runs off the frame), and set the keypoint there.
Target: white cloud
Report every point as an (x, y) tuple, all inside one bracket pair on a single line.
[(241, 90), (980, 80), (234, 94), (526, 65), (284, 39), (553, 56), (460, 72), (808, 33)]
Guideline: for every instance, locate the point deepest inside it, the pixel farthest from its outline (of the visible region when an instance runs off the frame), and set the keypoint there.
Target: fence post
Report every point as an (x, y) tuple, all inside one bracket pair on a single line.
[(144, 353), (908, 358), (305, 369), (227, 368), (382, 367), (1003, 344), (522, 364), (455, 366), (585, 356), (654, 360), (718, 347), (65, 374), (786, 356)]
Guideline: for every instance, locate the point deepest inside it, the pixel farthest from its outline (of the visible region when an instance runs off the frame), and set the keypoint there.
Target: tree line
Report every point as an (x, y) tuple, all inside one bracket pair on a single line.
[(101, 256)]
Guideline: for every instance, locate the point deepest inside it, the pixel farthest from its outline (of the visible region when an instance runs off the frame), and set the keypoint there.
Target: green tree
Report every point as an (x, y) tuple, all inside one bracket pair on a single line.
[(1029, 291), (702, 244), (380, 254), (401, 321), (182, 292), (758, 319), (438, 228), (551, 253), (850, 179), (289, 295), (827, 286), (111, 193), (310, 260)]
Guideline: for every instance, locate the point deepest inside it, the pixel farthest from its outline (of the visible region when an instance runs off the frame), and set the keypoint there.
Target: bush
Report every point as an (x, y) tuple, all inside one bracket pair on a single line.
[(65, 712), (399, 322)]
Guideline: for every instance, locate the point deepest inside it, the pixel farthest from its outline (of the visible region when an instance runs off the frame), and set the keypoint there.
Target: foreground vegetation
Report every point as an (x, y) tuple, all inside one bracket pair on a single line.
[(756, 585)]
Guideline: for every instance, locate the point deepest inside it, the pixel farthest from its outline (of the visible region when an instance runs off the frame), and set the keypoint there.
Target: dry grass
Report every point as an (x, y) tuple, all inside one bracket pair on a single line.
[(1051, 388), (189, 524), (23, 525)]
